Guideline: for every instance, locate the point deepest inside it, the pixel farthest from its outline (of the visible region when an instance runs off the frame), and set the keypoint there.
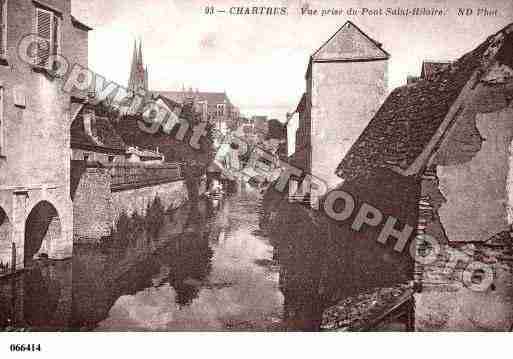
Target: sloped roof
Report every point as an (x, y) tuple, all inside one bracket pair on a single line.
[(106, 139), (350, 43), (144, 153), (213, 98), (366, 311), (80, 24), (301, 106), (410, 116), (169, 102)]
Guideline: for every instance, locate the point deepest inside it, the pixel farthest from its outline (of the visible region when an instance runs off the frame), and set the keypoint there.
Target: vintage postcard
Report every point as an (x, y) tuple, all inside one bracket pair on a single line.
[(278, 166)]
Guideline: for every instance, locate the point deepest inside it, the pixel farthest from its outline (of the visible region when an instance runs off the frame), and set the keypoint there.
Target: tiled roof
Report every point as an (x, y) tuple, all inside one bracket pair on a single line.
[(106, 139), (409, 118), (368, 310)]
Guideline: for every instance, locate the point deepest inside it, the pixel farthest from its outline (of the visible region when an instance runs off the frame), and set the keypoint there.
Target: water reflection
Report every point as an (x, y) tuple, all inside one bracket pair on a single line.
[(217, 282), (39, 298), (190, 264), (207, 269)]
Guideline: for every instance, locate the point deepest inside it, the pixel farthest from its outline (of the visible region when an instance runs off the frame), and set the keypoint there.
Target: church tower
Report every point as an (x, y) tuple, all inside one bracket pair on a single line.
[(346, 83), (138, 81)]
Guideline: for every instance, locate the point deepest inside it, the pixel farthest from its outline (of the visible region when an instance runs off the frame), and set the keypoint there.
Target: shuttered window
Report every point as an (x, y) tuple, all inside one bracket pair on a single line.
[(48, 29), (3, 28), (220, 109), (55, 35)]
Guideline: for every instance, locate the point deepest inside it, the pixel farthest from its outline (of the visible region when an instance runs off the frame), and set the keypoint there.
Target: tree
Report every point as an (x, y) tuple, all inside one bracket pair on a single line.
[(195, 161), (276, 130)]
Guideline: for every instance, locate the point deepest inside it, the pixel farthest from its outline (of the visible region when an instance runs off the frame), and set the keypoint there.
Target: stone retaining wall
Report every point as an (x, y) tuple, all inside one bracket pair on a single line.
[(97, 206)]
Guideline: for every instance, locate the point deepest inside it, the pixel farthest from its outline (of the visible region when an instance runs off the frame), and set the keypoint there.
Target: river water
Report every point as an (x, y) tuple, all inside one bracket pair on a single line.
[(207, 269)]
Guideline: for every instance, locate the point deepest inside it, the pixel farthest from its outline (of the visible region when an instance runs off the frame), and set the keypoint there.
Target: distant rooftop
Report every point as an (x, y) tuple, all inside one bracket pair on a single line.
[(211, 97), (431, 67)]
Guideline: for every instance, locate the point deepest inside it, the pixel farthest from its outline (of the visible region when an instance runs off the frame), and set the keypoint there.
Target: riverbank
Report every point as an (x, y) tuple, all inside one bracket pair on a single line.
[(209, 269)]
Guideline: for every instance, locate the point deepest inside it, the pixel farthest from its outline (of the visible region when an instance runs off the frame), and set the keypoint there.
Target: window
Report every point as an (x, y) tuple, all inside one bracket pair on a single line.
[(86, 157), (3, 28), (220, 109), (48, 27)]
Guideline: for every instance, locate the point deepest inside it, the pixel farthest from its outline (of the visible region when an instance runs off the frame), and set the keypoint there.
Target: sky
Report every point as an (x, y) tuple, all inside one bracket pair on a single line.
[(260, 61)]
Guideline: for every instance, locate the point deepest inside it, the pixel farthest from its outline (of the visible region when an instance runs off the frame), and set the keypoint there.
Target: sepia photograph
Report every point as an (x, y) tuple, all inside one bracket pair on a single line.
[(280, 166)]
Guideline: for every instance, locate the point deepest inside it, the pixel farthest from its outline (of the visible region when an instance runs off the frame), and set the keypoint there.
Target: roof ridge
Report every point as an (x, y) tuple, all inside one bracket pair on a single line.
[(438, 61), (375, 42), (421, 108)]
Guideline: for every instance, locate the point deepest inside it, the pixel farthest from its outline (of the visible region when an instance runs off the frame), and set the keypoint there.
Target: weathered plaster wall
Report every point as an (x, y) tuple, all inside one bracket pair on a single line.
[(36, 136), (466, 206), (475, 191), (35, 157), (446, 304), (345, 97)]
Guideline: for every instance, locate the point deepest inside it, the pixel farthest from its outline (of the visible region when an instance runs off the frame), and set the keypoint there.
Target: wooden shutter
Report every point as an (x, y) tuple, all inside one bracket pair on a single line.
[(3, 29), (2, 149), (55, 39), (44, 24), (55, 35)]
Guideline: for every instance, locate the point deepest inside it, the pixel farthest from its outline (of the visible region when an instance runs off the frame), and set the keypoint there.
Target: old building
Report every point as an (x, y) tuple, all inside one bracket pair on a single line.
[(144, 156), (260, 124), (428, 69), (431, 67), (451, 132), (35, 117), (214, 107), (168, 104), (346, 82), (432, 174), (93, 138), (292, 126)]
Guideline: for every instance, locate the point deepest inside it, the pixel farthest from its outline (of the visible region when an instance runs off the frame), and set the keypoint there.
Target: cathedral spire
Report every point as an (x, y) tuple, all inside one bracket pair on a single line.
[(133, 68), (138, 73), (146, 84), (140, 57)]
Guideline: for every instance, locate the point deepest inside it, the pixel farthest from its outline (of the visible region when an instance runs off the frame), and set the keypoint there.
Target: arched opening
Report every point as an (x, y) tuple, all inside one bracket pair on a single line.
[(5, 242), (42, 228)]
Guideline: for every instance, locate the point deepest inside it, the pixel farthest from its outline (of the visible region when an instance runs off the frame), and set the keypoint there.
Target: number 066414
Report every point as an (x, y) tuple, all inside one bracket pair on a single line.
[(25, 347)]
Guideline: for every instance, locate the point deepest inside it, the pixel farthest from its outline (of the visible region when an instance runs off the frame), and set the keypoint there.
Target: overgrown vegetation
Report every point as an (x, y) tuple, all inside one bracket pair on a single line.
[(194, 161), (129, 228)]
